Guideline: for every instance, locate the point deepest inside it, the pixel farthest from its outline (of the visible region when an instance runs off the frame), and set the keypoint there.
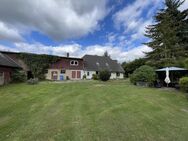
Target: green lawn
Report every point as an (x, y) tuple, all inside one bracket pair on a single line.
[(91, 111)]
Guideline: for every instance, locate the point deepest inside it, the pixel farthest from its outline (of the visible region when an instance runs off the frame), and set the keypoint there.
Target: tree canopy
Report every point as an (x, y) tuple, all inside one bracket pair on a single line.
[(130, 67), (169, 36), (106, 54), (38, 63)]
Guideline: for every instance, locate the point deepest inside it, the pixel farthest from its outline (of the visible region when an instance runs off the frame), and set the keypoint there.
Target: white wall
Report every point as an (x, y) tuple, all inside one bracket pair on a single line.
[(90, 74), (121, 76), (113, 75), (49, 74), (67, 73)]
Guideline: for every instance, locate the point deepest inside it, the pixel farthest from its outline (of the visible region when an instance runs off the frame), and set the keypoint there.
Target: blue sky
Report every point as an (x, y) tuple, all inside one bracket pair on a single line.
[(79, 27)]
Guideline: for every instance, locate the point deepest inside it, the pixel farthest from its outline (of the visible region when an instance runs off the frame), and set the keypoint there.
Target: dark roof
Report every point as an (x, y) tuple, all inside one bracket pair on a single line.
[(99, 63), (7, 61)]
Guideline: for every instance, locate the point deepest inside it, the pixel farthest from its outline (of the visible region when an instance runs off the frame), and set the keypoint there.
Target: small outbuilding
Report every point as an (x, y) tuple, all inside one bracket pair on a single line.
[(7, 65)]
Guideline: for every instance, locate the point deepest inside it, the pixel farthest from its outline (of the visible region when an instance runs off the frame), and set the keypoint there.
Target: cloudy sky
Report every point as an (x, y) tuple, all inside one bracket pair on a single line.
[(78, 26)]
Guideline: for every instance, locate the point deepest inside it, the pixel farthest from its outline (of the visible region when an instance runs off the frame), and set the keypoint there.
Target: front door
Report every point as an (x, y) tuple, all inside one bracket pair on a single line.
[(1, 78), (54, 75)]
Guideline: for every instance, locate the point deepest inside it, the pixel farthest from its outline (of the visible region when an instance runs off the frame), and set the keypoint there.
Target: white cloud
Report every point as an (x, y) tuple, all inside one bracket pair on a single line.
[(136, 53), (59, 19), (133, 18), (129, 16), (184, 6), (76, 50), (111, 37), (10, 34), (118, 53)]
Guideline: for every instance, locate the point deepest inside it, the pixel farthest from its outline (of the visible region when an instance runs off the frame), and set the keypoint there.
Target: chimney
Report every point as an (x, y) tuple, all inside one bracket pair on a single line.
[(67, 55)]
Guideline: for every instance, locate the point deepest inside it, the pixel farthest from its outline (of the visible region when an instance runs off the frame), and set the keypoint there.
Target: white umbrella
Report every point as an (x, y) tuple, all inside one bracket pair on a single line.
[(167, 79)]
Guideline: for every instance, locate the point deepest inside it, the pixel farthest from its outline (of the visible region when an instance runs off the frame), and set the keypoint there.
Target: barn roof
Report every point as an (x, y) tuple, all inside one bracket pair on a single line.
[(7, 61)]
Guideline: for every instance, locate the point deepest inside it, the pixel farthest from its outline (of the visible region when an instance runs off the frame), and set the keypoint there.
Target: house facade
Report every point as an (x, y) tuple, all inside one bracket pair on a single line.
[(66, 69), (7, 65), (93, 64)]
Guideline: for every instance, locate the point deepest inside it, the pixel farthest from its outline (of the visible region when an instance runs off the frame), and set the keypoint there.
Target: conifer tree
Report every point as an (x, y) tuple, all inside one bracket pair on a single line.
[(169, 35)]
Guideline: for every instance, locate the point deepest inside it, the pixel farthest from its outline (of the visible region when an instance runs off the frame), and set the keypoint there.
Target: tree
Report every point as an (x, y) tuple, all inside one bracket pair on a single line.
[(168, 36), (132, 66), (143, 74), (106, 54), (38, 63), (186, 63)]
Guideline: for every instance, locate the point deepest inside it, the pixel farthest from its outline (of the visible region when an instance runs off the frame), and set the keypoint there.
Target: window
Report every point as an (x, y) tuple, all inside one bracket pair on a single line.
[(97, 72), (87, 73), (118, 74), (74, 63), (62, 71)]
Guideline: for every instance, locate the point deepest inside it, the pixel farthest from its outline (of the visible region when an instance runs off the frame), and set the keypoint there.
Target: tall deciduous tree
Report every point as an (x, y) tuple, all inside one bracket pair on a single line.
[(169, 35)]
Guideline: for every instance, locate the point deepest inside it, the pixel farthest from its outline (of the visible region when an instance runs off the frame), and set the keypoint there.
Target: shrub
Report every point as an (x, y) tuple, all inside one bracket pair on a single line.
[(18, 76), (33, 81), (67, 78), (104, 75), (184, 84), (143, 74), (95, 77), (84, 76)]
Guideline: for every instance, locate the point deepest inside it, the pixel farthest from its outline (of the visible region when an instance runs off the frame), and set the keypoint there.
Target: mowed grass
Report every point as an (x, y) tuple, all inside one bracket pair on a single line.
[(91, 111)]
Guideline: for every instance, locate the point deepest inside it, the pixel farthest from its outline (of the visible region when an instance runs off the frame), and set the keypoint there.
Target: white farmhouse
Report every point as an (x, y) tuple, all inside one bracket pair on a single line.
[(93, 64)]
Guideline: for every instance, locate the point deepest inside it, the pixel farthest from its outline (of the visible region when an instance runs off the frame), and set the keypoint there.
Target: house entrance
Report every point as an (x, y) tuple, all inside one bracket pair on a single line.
[(54, 75)]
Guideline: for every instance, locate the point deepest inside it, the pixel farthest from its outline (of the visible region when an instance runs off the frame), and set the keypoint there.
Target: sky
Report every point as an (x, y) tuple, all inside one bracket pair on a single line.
[(78, 26)]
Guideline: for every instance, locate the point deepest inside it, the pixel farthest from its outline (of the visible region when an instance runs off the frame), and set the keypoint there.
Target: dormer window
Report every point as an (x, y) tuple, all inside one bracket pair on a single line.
[(74, 63), (97, 63), (107, 64)]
